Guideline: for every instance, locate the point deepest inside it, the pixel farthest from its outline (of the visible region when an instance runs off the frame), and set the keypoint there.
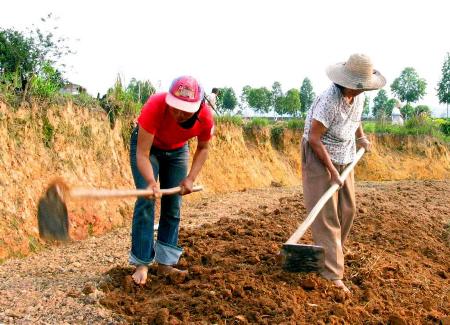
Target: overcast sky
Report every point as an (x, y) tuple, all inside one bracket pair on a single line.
[(236, 42)]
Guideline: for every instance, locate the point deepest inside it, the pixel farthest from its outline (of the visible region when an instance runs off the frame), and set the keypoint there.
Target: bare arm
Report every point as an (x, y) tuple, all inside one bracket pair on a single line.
[(359, 131), (200, 156), (144, 144), (315, 140), (361, 138)]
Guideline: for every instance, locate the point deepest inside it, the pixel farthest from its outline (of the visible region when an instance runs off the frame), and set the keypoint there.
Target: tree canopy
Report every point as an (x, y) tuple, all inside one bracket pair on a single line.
[(260, 99), (24, 58), (380, 103), (226, 100), (443, 90), (409, 87), (366, 109), (278, 100), (140, 90), (307, 96), (293, 102)]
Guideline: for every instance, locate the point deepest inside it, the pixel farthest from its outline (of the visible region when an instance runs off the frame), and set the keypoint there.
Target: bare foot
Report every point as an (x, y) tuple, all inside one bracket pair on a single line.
[(341, 285), (140, 275), (174, 274)]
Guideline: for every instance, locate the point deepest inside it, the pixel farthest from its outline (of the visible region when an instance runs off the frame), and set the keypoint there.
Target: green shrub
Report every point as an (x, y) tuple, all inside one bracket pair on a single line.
[(421, 125), (84, 100), (47, 83), (276, 133), (444, 126), (369, 127), (9, 83)]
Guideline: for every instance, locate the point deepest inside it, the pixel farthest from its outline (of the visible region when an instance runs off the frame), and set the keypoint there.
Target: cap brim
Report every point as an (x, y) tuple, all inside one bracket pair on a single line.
[(340, 76), (177, 103)]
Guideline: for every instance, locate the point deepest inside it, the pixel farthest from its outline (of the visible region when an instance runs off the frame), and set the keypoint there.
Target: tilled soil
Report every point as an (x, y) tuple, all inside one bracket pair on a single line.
[(397, 267)]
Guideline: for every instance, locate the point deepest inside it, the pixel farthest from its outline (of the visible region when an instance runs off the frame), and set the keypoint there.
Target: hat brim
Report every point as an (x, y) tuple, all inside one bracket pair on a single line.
[(190, 107), (339, 75)]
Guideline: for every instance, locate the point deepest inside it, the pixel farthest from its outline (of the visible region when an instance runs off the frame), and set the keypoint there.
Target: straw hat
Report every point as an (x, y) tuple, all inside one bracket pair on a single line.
[(356, 73)]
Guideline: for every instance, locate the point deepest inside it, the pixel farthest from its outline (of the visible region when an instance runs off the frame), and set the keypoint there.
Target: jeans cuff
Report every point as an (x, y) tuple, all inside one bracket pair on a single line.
[(167, 254), (133, 260)]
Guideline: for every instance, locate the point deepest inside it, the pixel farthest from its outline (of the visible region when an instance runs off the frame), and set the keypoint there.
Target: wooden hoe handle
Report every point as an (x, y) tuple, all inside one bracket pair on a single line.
[(105, 193), (324, 199)]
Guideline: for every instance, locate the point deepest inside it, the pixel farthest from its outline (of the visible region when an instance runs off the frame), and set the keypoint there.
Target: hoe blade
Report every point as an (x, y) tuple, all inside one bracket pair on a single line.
[(53, 219), (303, 258)]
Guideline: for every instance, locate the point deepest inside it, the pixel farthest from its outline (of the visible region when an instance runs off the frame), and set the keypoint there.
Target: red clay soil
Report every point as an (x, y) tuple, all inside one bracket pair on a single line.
[(397, 267)]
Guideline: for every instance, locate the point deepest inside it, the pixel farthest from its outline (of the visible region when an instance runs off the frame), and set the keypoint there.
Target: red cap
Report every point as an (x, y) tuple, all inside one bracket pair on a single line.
[(185, 94)]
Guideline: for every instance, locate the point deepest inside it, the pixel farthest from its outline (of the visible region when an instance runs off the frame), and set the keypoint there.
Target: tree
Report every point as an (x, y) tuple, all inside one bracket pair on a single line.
[(409, 86), (25, 56), (17, 56), (390, 104), (379, 104), (407, 111), (307, 96), (443, 89), (140, 91), (293, 102), (421, 110), (366, 109), (278, 99), (226, 101), (243, 103), (260, 99)]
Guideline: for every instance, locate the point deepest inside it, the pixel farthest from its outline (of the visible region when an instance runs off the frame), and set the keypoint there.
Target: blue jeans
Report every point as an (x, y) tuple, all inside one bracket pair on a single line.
[(171, 168)]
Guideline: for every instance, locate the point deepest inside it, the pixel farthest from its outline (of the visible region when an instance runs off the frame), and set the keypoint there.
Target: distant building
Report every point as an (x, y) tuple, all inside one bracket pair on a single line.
[(72, 89), (397, 117)]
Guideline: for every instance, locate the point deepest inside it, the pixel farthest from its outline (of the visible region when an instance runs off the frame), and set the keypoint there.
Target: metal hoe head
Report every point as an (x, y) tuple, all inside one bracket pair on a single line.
[(53, 221), (303, 258)]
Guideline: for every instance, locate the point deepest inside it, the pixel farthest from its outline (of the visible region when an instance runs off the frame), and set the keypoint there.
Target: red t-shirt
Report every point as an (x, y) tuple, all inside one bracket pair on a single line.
[(156, 119)]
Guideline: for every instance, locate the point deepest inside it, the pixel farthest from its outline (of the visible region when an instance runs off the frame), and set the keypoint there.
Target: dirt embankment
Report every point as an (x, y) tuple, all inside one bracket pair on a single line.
[(37, 144)]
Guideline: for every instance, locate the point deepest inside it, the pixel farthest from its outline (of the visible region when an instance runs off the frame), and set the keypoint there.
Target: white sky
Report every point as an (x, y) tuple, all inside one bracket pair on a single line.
[(236, 42)]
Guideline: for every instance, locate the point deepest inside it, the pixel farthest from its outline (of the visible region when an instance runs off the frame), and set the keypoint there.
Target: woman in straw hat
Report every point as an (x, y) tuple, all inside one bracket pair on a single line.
[(332, 131)]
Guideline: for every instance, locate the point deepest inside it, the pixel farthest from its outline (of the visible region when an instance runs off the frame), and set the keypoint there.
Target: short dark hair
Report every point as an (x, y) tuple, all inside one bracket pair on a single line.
[(215, 90)]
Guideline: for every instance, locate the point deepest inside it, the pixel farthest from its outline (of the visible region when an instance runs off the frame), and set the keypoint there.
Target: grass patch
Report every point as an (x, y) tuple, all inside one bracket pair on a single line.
[(68, 131), (126, 130), (84, 100), (86, 136), (229, 119), (258, 122), (16, 129), (33, 244), (414, 126), (296, 124), (48, 132)]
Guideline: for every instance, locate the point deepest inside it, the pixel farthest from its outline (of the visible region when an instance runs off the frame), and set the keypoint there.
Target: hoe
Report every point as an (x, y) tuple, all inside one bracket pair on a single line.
[(53, 220), (310, 258)]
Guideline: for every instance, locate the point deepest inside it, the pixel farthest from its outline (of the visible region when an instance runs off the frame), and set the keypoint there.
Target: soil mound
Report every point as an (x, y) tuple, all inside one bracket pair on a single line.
[(397, 267)]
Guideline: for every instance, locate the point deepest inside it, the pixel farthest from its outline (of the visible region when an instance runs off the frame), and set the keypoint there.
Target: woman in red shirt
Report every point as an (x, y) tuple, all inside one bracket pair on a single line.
[(159, 149)]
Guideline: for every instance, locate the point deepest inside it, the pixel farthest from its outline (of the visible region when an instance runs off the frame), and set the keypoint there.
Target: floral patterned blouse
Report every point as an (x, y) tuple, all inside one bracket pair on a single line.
[(341, 120)]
